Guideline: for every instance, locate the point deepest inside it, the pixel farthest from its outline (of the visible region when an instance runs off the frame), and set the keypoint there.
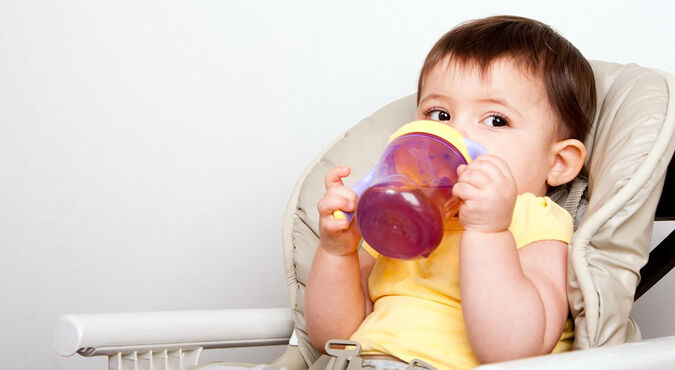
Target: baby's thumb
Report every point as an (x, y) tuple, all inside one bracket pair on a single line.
[(460, 169)]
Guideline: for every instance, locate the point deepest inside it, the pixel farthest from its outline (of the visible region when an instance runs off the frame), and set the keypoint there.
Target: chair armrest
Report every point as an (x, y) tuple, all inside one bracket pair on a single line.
[(111, 333), (658, 353)]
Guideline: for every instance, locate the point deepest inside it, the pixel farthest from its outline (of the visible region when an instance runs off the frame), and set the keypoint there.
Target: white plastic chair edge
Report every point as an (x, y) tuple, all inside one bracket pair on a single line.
[(657, 353), (168, 339)]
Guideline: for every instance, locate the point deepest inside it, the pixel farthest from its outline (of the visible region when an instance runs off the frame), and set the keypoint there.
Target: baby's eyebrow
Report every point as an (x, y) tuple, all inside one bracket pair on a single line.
[(494, 100), (434, 97), (501, 102)]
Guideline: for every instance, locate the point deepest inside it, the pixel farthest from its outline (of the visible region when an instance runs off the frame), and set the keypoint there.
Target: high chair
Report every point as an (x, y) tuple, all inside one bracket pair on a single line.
[(630, 147)]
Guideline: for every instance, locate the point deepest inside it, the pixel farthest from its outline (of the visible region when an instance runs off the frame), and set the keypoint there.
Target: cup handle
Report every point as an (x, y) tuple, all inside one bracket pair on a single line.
[(359, 188), (474, 148)]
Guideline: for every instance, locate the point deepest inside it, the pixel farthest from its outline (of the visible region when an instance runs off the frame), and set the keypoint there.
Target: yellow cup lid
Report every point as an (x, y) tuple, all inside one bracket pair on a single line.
[(437, 129)]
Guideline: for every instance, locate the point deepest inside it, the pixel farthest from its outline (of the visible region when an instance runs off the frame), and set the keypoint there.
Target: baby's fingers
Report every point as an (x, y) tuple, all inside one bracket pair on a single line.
[(331, 203), (476, 176), (335, 175), (343, 192), (328, 224), (333, 227), (493, 166), (460, 169), (465, 191)]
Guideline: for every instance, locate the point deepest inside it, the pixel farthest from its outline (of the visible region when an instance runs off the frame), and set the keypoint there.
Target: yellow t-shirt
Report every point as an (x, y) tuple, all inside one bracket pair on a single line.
[(418, 312)]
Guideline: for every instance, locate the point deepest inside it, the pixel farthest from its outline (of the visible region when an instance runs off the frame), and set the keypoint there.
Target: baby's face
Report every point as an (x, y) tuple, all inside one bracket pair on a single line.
[(506, 111)]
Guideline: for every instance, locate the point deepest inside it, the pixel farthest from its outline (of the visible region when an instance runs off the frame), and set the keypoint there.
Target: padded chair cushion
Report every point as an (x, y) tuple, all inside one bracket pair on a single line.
[(629, 146), (629, 150)]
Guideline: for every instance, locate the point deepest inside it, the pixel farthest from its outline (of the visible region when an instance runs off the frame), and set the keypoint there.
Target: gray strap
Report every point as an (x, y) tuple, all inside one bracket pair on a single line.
[(571, 197), (575, 197), (341, 355), (419, 364), (344, 355)]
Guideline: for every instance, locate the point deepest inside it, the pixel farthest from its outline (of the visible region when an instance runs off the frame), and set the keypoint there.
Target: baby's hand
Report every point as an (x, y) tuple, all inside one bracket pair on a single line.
[(337, 236), (488, 191)]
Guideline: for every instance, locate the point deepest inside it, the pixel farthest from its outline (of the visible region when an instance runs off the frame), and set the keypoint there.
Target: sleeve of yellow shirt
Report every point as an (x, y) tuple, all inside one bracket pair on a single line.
[(539, 218)]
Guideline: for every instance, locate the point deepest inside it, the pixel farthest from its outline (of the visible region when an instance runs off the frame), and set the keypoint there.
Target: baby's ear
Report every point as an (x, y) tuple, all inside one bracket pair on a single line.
[(568, 158)]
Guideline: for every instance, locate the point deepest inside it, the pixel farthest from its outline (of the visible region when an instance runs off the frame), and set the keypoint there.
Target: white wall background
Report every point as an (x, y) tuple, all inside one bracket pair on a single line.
[(147, 148)]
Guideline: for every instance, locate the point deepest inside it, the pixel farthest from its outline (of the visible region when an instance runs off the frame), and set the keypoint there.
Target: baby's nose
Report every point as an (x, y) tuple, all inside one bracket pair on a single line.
[(460, 124)]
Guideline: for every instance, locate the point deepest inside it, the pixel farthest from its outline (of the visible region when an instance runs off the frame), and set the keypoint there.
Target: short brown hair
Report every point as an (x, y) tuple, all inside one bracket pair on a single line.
[(567, 75)]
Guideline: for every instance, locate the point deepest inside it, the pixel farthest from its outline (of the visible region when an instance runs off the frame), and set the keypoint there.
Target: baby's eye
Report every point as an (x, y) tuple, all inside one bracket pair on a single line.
[(439, 115), (496, 121)]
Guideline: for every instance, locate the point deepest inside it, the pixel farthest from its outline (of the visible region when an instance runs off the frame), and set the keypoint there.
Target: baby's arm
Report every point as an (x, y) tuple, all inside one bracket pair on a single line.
[(336, 298), (514, 301)]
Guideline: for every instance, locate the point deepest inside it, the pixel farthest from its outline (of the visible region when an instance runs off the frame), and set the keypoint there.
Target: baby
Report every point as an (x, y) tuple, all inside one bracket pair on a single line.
[(495, 288)]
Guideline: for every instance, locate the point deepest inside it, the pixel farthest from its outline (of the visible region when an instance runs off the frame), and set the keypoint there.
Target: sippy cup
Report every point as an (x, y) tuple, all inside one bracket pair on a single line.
[(405, 200)]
